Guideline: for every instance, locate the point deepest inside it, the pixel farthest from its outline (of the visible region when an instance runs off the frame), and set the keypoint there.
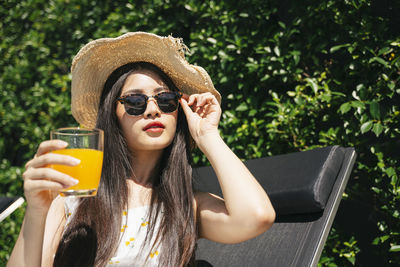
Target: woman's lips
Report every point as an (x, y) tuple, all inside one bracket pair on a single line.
[(154, 127)]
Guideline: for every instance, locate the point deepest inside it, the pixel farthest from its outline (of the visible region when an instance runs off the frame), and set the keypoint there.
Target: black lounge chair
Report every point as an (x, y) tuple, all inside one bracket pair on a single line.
[(305, 189)]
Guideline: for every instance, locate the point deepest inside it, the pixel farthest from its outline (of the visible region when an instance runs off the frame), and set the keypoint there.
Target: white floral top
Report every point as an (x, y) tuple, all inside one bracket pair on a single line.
[(130, 252)]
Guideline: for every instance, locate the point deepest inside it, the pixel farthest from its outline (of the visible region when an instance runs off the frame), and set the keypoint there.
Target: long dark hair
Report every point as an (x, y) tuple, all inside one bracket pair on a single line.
[(172, 191)]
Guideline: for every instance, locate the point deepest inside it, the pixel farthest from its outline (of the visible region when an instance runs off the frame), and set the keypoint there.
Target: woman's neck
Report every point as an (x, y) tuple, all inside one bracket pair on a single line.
[(145, 166)]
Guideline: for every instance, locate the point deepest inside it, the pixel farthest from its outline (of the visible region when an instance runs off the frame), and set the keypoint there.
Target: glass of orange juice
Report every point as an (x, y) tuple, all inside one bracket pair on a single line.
[(86, 145)]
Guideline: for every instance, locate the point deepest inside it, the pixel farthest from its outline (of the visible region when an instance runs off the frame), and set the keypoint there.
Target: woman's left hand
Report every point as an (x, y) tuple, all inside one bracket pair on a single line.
[(203, 113)]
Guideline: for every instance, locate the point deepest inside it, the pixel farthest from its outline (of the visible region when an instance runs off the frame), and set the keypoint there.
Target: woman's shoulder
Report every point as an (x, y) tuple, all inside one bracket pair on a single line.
[(56, 213), (57, 207)]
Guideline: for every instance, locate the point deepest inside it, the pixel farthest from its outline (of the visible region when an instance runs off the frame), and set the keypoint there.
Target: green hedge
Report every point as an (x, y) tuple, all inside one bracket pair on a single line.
[(294, 75)]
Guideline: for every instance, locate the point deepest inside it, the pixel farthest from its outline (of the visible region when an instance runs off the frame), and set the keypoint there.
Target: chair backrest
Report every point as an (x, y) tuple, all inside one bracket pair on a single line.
[(8, 205), (305, 189)]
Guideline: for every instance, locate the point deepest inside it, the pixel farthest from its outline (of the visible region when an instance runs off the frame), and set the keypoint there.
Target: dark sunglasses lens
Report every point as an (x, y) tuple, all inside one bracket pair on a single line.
[(167, 102), (135, 104)]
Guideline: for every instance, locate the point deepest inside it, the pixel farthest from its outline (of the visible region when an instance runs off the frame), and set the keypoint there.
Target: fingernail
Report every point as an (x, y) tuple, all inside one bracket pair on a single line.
[(74, 181), (62, 143), (76, 161)]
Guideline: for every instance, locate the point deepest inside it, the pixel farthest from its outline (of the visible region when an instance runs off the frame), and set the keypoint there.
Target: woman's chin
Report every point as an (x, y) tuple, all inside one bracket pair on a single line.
[(152, 145)]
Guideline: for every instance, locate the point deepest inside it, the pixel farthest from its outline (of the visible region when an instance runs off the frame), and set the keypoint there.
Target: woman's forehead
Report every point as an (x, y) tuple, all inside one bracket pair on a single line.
[(144, 81)]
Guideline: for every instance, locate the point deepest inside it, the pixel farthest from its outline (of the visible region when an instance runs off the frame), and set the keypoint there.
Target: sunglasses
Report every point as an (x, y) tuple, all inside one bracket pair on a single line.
[(136, 104)]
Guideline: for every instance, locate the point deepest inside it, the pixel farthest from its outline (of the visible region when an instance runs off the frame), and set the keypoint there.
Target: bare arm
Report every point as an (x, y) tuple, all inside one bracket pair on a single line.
[(28, 250), (54, 228), (245, 211), (41, 186), (39, 229)]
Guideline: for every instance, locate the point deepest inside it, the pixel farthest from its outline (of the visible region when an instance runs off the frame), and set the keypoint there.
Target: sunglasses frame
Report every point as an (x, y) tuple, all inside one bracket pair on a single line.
[(147, 98)]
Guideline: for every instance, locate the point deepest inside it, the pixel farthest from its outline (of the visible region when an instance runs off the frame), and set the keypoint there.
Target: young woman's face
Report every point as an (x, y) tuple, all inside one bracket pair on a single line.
[(153, 130)]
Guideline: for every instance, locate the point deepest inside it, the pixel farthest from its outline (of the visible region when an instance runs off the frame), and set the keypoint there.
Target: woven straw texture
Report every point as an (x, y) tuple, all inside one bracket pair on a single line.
[(98, 59)]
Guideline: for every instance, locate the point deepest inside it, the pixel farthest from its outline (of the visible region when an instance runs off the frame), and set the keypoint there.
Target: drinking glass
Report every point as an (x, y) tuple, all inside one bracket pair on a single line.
[(86, 145)]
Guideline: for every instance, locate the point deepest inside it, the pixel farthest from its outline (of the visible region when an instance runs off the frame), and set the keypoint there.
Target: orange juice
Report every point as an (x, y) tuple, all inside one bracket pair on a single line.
[(88, 171)]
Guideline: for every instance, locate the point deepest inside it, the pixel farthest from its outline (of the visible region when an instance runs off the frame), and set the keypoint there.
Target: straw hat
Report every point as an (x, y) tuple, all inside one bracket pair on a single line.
[(98, 59)]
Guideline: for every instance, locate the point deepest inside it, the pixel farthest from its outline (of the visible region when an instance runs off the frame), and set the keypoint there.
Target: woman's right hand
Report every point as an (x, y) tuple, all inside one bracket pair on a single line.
[(42, 183)]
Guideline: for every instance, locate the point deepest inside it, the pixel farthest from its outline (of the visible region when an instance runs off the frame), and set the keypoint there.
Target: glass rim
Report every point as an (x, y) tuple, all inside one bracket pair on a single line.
[(76, 131)]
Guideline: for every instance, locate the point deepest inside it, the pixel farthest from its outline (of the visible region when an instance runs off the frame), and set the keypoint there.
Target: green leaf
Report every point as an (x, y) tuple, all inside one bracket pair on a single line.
[(377, 128), (396, 214), (376, 190), (384, 50), (313, 85), (352, 260), (188, 7), (393, 181), (266, 77), (338, 93), (374, 109), (360, 87), (357, 104), (224, 79), (384, 238), (390, 171), (277, 51), (379, 60), (391, 85), (252, 112), (296, 59), (242, 107), (365, 127), (337, 47), (345, 107), (394, 248), (211, 40)]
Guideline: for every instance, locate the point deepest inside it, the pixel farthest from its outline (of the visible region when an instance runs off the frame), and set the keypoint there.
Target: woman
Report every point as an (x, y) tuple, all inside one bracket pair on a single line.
[(153, 107)]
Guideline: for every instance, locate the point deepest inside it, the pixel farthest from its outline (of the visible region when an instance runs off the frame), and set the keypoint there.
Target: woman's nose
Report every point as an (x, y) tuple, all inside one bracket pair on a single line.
[(152, 109)]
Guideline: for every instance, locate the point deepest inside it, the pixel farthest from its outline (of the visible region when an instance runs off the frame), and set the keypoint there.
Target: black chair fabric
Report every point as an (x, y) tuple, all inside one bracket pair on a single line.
[(294, 239), (296, 183)]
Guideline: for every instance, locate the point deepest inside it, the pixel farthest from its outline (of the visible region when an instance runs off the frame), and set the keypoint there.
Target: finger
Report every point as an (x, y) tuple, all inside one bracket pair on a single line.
[(207, 108), (185, 96), (201, 112), (204, 99), (196, 108), (192, 99), (186, 109), (214, 100), (49, 174), (52, 158), (32, 186), (211, 104), (50, 145), (207, 98)]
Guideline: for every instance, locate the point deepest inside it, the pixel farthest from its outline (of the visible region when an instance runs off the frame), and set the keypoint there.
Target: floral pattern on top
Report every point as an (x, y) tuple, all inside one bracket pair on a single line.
[(131, 251)]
